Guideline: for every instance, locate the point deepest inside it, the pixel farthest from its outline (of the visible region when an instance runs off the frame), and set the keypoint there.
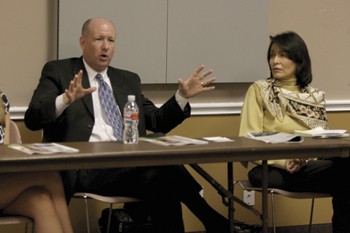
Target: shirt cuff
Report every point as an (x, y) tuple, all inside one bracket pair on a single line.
[(60, 105), (181, 101)]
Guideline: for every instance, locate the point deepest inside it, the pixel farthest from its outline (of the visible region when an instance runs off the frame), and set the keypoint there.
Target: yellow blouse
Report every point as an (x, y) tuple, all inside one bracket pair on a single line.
[(256, 118)]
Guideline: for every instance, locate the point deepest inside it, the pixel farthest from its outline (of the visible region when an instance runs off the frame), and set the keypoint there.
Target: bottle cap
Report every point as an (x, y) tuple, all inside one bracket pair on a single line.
[(131, 98)]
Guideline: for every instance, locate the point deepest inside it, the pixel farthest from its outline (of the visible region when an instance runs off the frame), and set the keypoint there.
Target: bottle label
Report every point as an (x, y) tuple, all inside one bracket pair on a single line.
[(134, 116)]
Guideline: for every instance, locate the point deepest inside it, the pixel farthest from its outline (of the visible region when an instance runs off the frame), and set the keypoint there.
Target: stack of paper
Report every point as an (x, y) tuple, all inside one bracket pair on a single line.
[(275, 137), (323, 133), (43, 148), (173, 140)]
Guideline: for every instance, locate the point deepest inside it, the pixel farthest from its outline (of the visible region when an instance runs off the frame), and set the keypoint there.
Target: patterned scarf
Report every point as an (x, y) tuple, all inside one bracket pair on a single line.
[(307, 107)]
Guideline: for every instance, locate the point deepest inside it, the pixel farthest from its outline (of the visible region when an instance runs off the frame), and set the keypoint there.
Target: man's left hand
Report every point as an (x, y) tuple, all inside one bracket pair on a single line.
[(196, 84)]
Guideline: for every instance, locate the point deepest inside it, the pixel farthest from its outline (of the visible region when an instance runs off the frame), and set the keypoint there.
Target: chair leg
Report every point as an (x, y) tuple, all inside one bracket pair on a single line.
[(311, 214), (109, 217), (87, 215), (26, 228), (273, 211)]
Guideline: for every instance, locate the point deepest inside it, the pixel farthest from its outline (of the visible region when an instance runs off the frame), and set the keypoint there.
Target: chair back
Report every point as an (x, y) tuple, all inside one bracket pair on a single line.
[(12, 133)]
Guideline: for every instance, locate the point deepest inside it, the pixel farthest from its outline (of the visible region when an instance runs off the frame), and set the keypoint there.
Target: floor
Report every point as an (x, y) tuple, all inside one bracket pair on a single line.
[(316, 228)]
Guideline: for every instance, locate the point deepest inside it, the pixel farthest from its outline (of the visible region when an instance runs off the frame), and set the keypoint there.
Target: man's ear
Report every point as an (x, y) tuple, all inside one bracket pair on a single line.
[(82, 42)]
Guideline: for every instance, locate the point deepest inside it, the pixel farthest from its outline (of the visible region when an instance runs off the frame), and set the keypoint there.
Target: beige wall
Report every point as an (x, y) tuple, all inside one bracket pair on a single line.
[(28, 39)]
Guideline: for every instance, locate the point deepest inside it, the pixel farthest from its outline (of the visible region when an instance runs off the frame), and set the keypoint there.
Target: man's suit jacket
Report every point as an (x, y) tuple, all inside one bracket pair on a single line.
[(77, 121)]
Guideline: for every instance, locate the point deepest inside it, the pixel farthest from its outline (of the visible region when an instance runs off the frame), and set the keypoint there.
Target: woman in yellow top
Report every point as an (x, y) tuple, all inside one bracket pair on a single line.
[(37, 195), (285, 102)]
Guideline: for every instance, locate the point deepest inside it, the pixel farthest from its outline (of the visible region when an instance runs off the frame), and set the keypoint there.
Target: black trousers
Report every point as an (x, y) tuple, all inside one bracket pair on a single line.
[(162, 189), (317, 176)]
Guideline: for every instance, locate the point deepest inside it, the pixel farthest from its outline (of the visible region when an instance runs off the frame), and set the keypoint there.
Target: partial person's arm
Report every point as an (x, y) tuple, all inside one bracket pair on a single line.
[(252, 114), (7, 128)]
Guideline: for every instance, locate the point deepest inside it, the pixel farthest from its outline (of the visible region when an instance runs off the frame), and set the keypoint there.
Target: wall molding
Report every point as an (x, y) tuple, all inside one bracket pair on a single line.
[(233, 108), (223, 108)]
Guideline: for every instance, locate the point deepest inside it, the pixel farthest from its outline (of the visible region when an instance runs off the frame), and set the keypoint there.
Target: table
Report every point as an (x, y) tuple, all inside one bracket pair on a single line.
[(112, 154)]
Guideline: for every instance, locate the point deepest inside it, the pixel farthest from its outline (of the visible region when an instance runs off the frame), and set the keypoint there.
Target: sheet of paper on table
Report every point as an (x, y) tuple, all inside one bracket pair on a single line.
[(173, 140), (275, 137), (323, 133), (218, 139), (43, 148)]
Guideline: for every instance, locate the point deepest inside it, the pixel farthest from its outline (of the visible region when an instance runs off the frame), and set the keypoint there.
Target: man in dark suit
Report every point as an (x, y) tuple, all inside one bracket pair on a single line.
[(66, 106)]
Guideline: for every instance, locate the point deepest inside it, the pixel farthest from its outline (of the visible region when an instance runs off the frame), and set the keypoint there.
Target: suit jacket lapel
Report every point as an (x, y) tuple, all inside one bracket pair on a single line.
[(87, 99), (119, 88)]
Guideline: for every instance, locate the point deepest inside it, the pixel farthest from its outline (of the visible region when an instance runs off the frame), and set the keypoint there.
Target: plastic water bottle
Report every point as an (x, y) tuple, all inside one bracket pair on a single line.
[(131, 121)]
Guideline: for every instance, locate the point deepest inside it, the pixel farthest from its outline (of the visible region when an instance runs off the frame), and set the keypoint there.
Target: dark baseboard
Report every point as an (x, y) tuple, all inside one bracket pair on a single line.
[(316, 228)]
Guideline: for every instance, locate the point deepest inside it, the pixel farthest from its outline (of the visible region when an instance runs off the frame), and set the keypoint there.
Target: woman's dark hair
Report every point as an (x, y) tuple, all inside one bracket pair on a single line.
[(296, 50)]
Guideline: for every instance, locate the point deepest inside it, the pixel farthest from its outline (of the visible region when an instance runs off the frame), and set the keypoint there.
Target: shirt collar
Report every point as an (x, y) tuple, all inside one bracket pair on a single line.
[(92, 73)]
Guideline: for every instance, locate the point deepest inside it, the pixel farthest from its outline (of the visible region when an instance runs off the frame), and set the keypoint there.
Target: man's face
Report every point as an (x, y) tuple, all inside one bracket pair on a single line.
[(98, 44)]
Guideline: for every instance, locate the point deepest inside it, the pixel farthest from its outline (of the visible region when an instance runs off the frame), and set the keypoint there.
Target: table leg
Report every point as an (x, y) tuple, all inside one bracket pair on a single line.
[(265, 219), (230, 186), (227, 194)]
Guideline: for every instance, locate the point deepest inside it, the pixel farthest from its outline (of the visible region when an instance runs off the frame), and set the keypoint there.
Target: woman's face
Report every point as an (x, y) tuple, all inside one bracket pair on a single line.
[(280, 65)]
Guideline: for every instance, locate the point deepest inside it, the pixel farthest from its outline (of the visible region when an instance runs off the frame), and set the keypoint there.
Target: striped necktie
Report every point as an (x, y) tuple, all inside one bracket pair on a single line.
[(110, 108)]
